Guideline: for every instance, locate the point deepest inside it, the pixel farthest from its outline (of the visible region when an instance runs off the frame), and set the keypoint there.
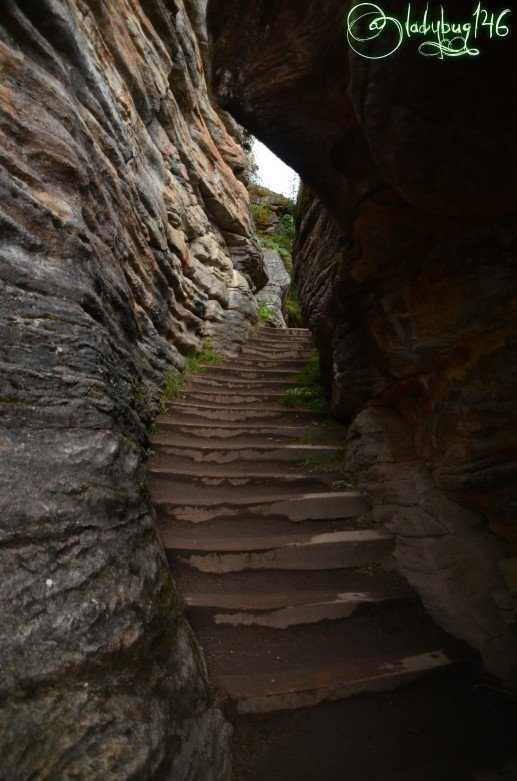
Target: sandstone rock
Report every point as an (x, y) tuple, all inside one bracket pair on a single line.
[(274, 293), (120, 204)]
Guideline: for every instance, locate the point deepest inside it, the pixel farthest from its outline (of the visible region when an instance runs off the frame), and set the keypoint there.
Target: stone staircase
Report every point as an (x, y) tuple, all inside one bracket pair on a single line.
[(279, 570)]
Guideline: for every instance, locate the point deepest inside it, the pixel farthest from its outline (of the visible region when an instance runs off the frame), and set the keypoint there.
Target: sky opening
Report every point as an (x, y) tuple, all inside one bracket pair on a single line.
[(273, 173)]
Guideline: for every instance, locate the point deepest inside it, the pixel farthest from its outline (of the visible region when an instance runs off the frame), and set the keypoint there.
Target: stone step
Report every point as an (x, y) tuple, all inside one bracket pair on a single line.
[(218, 503), (225, 397), (170, 430), (183, 411), (252, 386), (283, 598), (232, 476), (273, 362), (244, 551), (266, 352), (260, 668), (282, 332), (261, 484), (229, 371), (261, 337), (275, 345), (305, 687), (262, 455), (289, 608)]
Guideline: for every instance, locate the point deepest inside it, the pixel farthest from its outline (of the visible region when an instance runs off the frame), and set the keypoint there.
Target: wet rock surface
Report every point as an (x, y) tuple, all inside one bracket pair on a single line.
[(126, 238), (403, 260)]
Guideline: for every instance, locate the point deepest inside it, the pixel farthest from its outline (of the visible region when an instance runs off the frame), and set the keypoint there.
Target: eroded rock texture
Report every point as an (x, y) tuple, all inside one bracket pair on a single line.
[(125, 238), (405, 264)]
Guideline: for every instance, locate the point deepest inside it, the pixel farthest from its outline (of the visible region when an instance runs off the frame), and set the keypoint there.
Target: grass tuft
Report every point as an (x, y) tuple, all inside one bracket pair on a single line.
[(196, 362), (309, 393), (267, 313), (330, 464)]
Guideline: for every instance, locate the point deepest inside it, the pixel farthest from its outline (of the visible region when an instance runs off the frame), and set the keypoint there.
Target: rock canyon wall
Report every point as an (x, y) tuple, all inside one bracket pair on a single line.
[(405, 263), (126, 238)]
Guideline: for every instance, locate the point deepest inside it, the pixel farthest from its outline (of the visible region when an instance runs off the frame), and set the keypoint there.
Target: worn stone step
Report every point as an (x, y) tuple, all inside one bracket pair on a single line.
[(280, 346), (214, 503), (287, 608), (225, 397), (183, 411), (200, 382), (283, 598), (237, 552), (284, 338), (377, 634), (229, 371), (267, 482), (262, 455), (282, 332), (231, 477), (170, 430), (266, 352), (302, 688), (273, 362)]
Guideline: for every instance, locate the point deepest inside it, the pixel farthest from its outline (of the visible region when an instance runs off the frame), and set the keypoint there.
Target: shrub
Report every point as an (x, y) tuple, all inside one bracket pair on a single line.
[(266, 312)]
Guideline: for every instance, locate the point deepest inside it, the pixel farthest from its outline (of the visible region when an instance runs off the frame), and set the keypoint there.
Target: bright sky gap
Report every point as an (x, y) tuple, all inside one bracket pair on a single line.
[(273, 173)]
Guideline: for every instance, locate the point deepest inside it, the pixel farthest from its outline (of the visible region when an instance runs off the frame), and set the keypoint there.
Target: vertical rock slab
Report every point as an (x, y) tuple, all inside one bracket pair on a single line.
[(275, 292), (121, 201)]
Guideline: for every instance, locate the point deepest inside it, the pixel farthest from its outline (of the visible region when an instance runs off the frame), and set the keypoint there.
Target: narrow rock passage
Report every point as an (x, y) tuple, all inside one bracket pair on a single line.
[(279, 568)]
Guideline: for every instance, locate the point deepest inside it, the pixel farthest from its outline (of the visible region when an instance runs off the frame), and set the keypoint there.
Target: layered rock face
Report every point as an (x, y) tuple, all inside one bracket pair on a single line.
[(126, 238), (275, 292), (404, 260)]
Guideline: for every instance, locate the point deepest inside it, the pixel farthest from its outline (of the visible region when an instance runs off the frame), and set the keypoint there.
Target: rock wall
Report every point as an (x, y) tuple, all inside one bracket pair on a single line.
[(404, 260), (126, 238), (276, 290)]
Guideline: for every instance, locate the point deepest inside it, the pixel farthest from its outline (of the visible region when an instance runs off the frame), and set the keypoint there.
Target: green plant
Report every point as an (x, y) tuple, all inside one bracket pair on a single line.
[(154, 428), (195, 363), (262, 213), (340, 485), (310, 375), (331, 464), (309, 392), (293, 309), (266, 311), (286, 229), (311, 398), (172, 387)]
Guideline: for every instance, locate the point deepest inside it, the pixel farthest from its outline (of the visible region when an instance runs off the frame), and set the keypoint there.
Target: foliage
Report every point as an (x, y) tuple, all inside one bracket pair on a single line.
[(309, 393), (286, 229), (266, 311), (195, 363), (262, 213), (315, 399), (331, 464), (310, 375), (293, 309)]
